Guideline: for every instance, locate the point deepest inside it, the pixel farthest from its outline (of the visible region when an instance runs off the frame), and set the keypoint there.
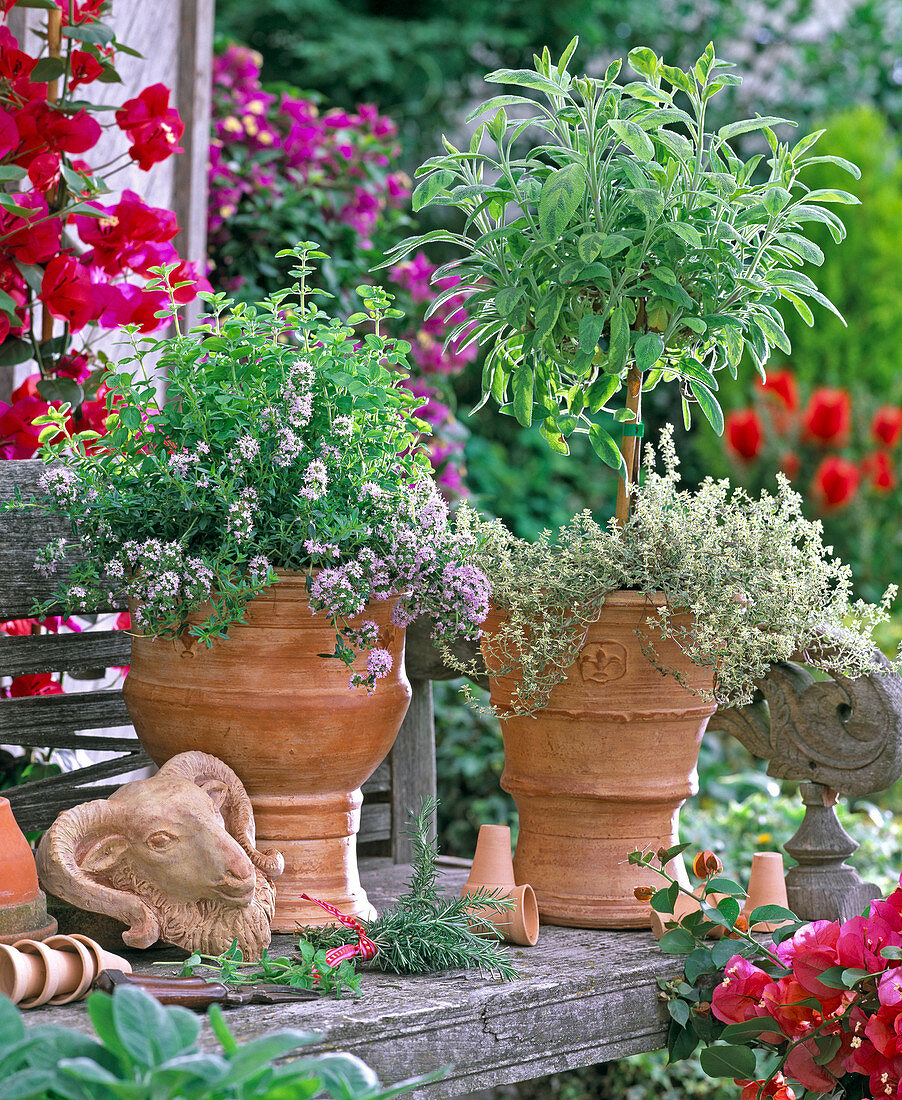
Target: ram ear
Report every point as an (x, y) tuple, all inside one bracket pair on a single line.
[(103, 855), (216, 790)]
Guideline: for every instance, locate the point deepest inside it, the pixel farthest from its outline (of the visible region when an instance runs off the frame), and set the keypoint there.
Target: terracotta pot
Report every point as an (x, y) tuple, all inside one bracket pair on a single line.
[(767, 886), (285, 720), (602, 769), (23, 906), (493, 870)]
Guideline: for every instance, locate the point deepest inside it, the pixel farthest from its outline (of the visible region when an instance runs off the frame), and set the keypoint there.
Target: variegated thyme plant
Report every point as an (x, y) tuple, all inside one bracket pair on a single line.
[(282, 444), (754, 573)]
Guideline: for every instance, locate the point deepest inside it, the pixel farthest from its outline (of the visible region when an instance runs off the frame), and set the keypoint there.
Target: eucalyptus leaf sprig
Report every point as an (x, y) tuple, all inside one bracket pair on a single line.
[(625, 245)]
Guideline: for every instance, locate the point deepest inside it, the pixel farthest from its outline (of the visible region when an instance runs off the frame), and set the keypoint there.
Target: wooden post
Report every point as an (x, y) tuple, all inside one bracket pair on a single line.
[(412, 767), (630, 447)]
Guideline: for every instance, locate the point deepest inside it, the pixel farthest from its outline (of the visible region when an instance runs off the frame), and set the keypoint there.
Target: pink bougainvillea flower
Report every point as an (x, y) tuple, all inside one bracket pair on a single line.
[(68, 292), (73, 133), (33, 237), (120, 238), (810, 952), (130, 304), (44, 171), (153, 126), (40, 683), (9, 133), (802, 1067), (740, 995), (84, 68)]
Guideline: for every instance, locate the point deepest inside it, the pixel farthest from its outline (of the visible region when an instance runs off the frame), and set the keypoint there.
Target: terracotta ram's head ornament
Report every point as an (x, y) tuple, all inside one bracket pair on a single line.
[(173, 857)]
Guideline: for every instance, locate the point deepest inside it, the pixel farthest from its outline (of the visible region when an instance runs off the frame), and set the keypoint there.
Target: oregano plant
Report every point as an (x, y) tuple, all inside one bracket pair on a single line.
[(612, 242)]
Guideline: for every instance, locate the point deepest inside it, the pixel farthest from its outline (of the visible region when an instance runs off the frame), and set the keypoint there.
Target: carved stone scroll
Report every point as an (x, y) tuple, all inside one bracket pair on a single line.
[(836, 736)]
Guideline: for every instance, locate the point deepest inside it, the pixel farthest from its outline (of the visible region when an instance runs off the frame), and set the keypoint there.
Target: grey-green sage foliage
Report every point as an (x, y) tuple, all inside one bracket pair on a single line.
[(753, 572), (626, 244), (285, 442)]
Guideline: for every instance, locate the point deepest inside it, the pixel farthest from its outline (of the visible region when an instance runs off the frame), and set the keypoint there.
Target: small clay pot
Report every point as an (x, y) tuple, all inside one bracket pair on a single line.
[(104, 960), (66, 945), (493, 870), (767, 886), (23, 906), (519, 925), (21, 975)]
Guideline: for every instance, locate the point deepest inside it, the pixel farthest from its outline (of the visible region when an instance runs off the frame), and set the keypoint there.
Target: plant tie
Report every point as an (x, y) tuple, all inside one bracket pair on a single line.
[(364, 947)]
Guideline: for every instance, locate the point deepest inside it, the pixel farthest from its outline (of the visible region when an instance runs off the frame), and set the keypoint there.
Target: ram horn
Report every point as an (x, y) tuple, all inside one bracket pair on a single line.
[(237, 811), (58, 857)]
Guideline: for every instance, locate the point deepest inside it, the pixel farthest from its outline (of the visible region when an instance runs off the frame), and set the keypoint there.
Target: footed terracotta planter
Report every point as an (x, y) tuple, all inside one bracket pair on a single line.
[(23, 906), (602, 769), (285, 720)]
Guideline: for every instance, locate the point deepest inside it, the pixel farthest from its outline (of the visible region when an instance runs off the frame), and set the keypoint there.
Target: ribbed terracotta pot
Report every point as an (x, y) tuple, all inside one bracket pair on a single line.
[(285, 720), (602, 769)]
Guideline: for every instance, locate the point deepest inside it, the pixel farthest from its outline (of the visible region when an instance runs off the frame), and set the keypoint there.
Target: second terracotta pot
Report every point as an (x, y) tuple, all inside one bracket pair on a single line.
[(285, 720), (602, 769)]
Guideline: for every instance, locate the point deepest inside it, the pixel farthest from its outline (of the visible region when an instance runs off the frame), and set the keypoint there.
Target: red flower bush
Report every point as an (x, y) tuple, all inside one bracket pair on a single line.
[(63, 254), (744, 434), (828, 416), (886, 427), (836, 481)]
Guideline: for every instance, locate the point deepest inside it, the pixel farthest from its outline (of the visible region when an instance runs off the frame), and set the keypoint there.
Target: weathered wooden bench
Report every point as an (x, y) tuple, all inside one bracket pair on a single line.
[(583, 997)]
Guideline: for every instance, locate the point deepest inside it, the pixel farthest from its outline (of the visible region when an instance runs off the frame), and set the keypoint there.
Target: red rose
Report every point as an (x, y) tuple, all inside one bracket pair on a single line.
[(781, 384), (68, 292), (40, 683), (879, 470), (886, 427), (828, 415), (836, 481), (744, 434), (85, 69)]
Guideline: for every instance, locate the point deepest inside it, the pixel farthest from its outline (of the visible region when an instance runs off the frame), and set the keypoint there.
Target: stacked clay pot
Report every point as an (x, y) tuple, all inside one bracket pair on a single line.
[(56, 971), (493, 872)]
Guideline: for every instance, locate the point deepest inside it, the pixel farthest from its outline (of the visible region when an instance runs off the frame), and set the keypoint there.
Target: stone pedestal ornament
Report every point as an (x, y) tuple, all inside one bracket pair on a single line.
[(173, 857), (837, 736)]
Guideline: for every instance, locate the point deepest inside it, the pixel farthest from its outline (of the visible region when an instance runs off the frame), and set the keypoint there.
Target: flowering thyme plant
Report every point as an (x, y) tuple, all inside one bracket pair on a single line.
[(753, 572), (281, 445), (819, 1007)]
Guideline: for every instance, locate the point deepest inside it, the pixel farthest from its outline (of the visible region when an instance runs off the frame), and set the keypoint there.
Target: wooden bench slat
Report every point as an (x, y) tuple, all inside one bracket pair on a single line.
[(63, 652), (375, 822), (380, 781), (48, 719)]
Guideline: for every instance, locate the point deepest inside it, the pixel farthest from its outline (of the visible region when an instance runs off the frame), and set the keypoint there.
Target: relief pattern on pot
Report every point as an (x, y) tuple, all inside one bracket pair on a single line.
[(603, 662)]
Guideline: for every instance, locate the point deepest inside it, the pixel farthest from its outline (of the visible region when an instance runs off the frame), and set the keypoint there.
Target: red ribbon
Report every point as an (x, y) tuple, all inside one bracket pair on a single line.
[(365, 948)]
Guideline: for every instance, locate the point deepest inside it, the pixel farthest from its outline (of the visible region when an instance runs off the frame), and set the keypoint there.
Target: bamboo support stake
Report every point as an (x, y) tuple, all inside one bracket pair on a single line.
[(54, 48), (630, 447)]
